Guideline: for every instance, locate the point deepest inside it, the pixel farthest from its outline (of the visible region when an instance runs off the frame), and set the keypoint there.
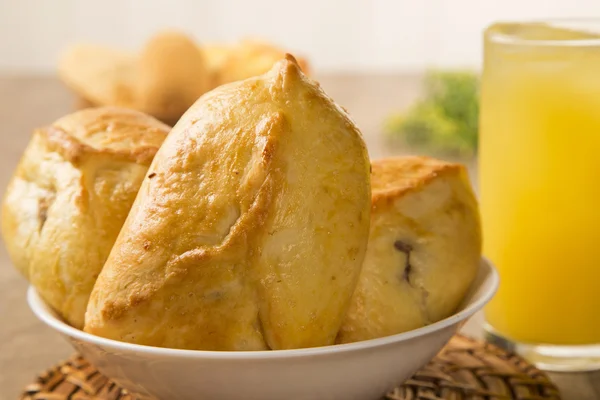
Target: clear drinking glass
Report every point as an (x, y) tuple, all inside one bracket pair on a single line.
[(539, 166)]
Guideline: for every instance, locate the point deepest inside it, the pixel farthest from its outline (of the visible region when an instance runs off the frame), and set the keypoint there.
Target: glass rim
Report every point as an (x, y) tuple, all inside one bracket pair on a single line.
[(494, 35)]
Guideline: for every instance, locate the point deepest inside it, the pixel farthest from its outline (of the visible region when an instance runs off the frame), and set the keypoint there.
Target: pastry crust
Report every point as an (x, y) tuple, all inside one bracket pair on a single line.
[(424, 248), (164, 80), (216, 54), (167, 77), (172, 74), (99, 74), (252, 230), (69, 197)]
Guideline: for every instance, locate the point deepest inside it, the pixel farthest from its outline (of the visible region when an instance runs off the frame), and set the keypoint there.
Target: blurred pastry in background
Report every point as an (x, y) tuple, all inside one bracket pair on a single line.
[(99, 75), (171, 74), (424, 248), (69, 197), (249, 57), (167, 76), (164, 80), (216, 54)]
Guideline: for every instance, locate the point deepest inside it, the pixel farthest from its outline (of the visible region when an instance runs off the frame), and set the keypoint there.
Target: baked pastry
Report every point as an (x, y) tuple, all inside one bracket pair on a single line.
[(172, 74), (99, 75), (251, 228), (164, 80), (69, 197), (167, 77), (251, 57), (215, 55), (424, 248)]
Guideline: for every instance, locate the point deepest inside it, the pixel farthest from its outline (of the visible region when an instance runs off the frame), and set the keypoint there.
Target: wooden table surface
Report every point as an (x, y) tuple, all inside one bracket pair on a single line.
[(28, 347)]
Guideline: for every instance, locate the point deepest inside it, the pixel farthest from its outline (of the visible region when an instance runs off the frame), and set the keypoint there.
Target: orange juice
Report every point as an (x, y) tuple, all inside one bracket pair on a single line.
[(540, 182)]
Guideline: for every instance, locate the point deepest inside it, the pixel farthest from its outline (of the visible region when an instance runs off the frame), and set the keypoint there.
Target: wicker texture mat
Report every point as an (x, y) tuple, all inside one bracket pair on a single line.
[(464, 369)]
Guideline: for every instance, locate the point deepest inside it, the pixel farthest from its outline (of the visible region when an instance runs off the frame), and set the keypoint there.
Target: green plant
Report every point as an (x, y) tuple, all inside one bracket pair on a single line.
[(446, 118)]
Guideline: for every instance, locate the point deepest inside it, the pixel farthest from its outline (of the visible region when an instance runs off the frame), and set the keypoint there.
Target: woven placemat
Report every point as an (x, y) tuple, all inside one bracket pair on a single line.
[(464, 369)]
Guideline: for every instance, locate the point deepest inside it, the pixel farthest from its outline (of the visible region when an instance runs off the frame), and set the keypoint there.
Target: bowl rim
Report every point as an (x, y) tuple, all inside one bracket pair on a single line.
[(43, 312)]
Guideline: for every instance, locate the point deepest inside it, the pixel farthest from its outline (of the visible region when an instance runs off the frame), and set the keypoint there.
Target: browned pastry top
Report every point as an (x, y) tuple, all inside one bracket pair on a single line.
[(129, 134), (396, 175)]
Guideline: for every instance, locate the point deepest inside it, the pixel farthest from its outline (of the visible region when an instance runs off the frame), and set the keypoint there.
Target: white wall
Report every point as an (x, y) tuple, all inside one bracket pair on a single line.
[(344, 35)]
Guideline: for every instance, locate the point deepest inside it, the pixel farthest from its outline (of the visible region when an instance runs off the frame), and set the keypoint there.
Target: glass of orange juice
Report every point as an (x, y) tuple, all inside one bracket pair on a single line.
[(539, 166)]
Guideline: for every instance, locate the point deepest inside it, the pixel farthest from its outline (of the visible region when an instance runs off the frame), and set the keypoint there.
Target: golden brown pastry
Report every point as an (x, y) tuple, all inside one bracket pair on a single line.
[(69, 198), (168, 76), (99, 75), (251, 58), (251, 228), (172, 74), (424, 248), (215, 55), (164, 80)]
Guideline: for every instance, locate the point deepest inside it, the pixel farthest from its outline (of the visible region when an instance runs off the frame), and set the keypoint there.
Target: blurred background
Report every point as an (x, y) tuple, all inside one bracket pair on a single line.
[(338, 36), (406, 70)]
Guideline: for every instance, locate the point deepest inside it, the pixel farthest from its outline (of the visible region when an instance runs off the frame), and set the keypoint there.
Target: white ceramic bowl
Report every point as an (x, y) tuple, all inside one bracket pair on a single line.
[(363, 370)]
